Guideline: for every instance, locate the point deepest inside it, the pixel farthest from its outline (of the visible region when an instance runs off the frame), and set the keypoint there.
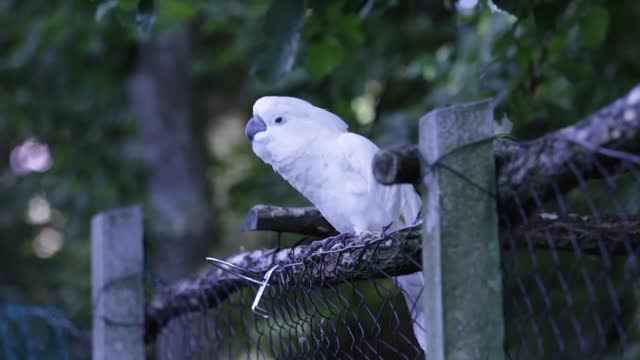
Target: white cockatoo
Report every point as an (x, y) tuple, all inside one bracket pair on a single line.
[(311, 148)]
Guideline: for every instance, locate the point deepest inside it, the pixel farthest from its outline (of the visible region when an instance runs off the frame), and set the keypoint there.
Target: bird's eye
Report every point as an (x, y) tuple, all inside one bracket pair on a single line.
[(279, 120)]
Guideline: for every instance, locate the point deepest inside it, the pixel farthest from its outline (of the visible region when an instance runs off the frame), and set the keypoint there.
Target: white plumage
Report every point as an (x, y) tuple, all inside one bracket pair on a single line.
[(311, 148)]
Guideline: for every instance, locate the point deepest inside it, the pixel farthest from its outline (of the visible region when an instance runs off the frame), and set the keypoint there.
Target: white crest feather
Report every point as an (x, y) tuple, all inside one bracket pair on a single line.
[(294, 107)]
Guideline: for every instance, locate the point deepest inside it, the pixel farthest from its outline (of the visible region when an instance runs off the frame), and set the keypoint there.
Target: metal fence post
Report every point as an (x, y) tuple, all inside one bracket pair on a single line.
[(461, 253), (117, 284)]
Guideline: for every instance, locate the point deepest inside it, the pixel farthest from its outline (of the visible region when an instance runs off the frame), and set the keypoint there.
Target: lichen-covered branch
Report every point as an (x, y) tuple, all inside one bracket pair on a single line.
[(525, 169), (298, 220), (576, 233), (534, 165), (347, 257)]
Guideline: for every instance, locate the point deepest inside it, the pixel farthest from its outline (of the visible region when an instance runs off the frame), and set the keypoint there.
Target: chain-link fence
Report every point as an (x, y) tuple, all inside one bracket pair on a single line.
[(570, 262), (339, 301)]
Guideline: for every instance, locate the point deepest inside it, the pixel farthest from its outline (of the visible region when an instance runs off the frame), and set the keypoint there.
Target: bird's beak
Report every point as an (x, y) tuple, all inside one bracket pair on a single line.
[(254, 126)]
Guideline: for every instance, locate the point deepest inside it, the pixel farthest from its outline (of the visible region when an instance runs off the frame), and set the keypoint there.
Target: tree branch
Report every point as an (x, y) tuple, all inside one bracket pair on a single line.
[(576, 233), (523, 167), (397, 164), (537, 164)]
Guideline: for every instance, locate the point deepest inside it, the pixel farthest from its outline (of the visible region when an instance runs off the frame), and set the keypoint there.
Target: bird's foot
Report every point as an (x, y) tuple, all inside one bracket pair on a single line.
[(325, 244), (379, 234), (386, 229)]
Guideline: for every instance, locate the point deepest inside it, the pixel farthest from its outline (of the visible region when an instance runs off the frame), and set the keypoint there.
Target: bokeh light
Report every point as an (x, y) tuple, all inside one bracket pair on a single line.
[(30, 156), (47, 243)]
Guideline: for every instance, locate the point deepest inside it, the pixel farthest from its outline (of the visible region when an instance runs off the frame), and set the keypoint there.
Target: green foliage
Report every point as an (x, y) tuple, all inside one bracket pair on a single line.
[(323, 58), (593, 25), (331, 34), (128, 12)]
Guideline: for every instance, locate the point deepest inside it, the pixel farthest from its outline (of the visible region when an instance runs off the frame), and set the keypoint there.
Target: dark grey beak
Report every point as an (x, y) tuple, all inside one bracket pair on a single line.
[(254, 126)]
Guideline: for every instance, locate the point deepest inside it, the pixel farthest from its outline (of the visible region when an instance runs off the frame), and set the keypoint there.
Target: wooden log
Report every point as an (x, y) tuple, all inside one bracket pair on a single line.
[(299, 220), (397, 164)]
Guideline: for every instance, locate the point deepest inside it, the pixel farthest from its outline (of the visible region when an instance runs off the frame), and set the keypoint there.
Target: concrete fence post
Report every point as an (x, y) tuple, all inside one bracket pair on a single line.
[(117, 284)]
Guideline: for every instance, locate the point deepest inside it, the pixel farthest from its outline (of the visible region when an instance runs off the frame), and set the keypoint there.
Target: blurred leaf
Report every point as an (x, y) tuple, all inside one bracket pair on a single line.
[(282, 24), (104, 8), (593, 26), (145, 21), (323, 58), (351, 29), (313, 27), (271, 65), (176, 10), (635, 7), (557, 44), (126, 18), (145, 5), (146, 16), (26, 50), (517, 8), (546, 14), (284, 17), (128, 5)]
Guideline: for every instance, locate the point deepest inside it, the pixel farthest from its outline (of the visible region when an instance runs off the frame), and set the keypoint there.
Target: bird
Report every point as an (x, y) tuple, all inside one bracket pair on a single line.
[(312, 149)]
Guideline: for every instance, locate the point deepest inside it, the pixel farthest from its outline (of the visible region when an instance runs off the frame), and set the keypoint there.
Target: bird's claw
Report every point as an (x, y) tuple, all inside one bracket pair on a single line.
[(324, 244)]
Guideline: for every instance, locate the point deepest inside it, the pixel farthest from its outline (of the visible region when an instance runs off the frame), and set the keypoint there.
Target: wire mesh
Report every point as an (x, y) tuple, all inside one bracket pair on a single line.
[(306, 315), (570, 266), (570, 283)]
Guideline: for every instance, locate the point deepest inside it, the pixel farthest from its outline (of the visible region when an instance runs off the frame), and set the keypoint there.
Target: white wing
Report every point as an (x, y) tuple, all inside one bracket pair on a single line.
[(411, 204), (376, 205), (358, 151)]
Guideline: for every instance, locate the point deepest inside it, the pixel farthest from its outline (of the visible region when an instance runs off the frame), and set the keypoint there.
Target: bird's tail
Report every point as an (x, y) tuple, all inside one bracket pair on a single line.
[(411, 204), (412, 285)]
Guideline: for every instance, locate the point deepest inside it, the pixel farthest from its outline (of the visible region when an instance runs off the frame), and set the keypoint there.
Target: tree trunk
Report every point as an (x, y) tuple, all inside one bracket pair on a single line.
[(178, 193)]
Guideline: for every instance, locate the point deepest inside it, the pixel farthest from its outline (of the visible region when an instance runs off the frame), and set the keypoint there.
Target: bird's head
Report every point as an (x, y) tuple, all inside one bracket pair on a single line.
[(282, 127)]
